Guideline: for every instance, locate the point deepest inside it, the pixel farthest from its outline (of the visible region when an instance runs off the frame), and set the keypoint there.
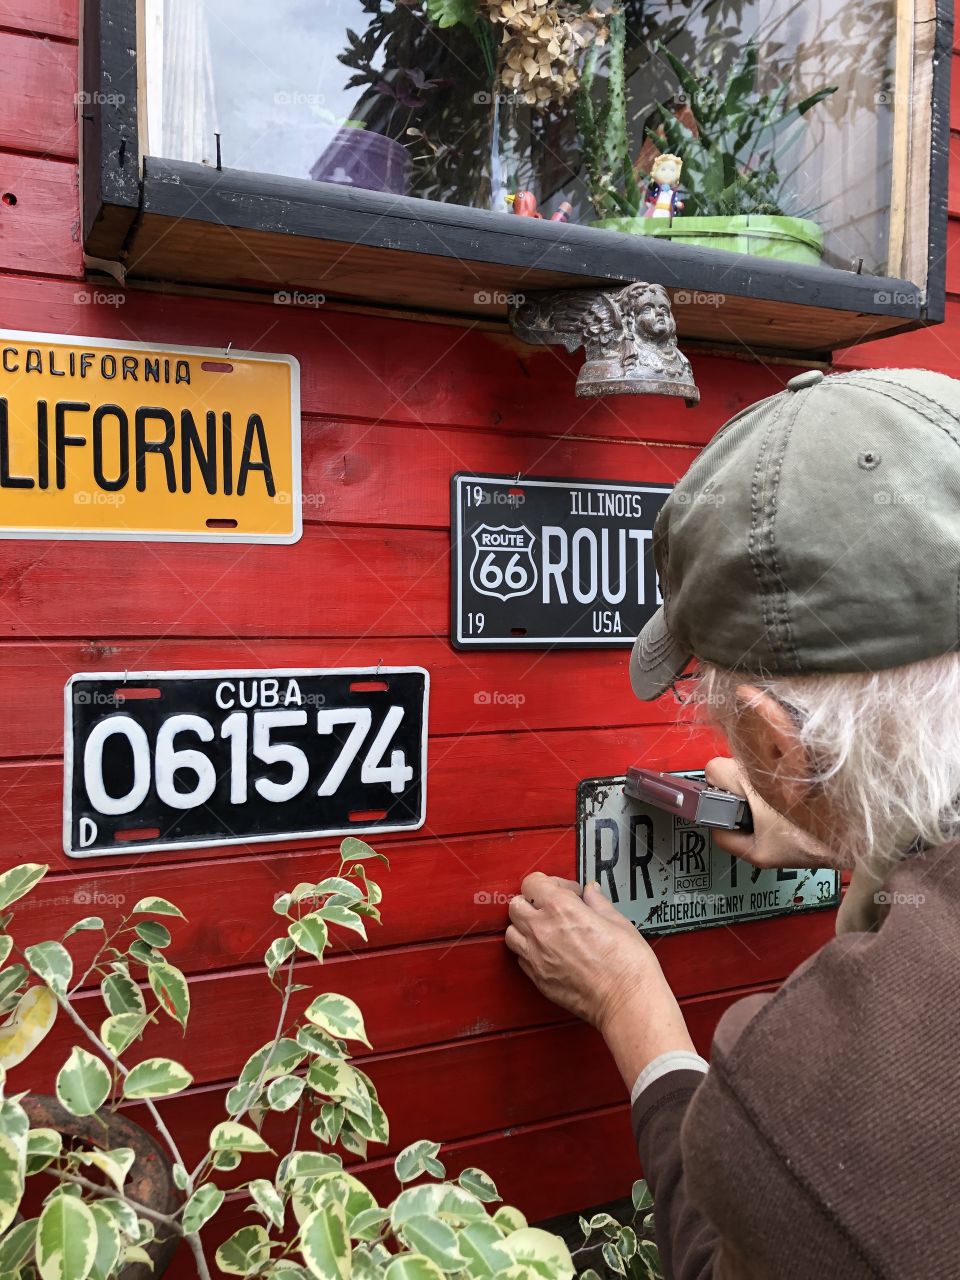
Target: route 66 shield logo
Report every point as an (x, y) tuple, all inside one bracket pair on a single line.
[(503, 565)]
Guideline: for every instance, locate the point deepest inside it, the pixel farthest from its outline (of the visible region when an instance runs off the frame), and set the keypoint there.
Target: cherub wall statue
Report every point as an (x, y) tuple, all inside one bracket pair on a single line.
[(628, 335)]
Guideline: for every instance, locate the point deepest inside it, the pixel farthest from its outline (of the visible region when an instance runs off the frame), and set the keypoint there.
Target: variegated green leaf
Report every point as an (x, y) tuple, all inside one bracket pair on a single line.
[(156, 1078), (310, 934), (43, 1145), (368, 1223), (66, 1239), (354, 850), (412, 1160), (436, 1240), (279, 951), (640, 1194), (268, 1200), (83, 1083), (339, 913), (13, 978), (123, 1216), (338, 1016), (438, 1199), (226, 1160), (325, 1244), (352, 1141), (482, 1186), (17, 1246), (157, 907), (153, 933), (230, 1136), (18, 881), (33, 1017), (134, 1253), (306, 1164), (180, 1176), (245, 1252), (540, 1250), (12, 1172), (82, 926), (201, 1206), (314, 1041), (349, 890), (376, 1128), (119, 1031), (284, 1092), (116, 1163), (6, 946), (509, 1218), (121, 994), (480, 1245), (273, 1059), (109, 1243), (413, 1266), (170, 987)]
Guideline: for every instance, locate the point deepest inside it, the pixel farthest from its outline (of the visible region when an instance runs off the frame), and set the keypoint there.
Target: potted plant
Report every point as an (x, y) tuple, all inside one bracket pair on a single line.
[(358, 157), (730, 140)]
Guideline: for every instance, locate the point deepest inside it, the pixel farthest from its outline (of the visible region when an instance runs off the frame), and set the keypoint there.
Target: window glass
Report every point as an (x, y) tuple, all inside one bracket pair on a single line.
[(780, 111)]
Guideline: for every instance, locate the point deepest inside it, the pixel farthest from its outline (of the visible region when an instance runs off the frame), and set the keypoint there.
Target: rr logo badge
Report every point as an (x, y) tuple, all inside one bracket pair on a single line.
[(503, 565)]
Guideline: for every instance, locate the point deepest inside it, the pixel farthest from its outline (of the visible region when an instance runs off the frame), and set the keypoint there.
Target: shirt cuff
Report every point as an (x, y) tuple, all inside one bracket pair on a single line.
[(673, 1060)]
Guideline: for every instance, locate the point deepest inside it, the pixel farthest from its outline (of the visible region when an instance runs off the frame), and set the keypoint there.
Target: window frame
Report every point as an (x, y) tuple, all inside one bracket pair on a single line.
[(290, 223)]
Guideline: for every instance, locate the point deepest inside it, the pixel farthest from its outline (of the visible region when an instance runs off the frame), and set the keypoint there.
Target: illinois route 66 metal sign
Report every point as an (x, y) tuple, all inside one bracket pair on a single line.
[(539, 563)]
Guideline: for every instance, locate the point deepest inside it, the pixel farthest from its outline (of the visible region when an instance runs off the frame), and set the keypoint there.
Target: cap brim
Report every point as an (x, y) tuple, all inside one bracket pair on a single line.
[(657, 659)]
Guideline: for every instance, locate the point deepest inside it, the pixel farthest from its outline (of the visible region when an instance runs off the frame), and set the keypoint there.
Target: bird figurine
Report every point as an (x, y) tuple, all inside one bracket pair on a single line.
[(524, 205)]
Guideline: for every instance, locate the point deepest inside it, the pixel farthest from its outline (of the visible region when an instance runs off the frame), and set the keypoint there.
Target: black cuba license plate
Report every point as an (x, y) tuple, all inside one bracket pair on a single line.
[(181, 759)]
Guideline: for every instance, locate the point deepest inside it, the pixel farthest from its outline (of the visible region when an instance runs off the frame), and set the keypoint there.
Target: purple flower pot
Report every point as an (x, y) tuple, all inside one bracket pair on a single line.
[(359, 158)]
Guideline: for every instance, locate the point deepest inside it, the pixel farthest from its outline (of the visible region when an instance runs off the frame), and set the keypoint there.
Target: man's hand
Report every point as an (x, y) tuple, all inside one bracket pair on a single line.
[(775, 841), (589, 959)]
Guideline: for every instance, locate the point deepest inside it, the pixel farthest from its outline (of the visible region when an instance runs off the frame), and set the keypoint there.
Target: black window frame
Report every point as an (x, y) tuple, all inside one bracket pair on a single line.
[(121, 186)]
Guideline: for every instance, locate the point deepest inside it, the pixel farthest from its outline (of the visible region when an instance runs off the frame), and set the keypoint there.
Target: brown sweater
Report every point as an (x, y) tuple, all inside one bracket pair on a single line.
[(824, 1142)]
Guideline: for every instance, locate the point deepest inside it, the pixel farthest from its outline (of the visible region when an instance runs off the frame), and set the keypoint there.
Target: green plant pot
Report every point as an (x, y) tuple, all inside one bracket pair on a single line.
[(763, 235)]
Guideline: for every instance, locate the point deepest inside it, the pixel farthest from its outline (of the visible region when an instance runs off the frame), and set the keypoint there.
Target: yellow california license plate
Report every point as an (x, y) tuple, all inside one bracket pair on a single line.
[(126, 440)]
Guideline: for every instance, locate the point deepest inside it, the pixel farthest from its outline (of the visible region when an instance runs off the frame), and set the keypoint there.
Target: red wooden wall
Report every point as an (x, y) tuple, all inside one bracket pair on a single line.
[(465, 1050)]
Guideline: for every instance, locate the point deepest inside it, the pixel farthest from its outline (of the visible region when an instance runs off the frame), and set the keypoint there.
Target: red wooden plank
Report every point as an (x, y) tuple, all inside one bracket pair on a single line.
[(375, 367), (477, 782), (352, 582), (360, 473), (953, 251), (933, 348), (451, 888), (470, 693), (39, 105), (39, 219), (45, 17)]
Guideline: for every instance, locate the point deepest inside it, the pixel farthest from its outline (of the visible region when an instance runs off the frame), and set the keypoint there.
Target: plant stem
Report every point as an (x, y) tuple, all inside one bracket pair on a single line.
[(96, 1189), (75, 1018)]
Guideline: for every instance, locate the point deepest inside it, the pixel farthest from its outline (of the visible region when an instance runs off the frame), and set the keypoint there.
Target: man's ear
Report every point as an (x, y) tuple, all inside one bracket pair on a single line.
[(768, 741)]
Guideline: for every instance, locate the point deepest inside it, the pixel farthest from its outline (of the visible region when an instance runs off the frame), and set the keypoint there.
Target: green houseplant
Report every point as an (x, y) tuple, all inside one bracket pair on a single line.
[(312, 1219), (731, 151)]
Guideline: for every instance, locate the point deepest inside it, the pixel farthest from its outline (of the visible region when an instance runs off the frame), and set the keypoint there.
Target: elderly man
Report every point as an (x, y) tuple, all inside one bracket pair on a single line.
[(810, 563)]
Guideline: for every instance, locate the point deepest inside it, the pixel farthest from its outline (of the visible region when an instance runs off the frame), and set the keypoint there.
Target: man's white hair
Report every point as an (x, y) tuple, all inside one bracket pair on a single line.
[(885, 747)]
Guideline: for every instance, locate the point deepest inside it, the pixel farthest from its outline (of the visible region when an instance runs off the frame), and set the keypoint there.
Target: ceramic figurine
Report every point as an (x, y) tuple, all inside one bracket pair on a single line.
[(663, 195), (523, 204)]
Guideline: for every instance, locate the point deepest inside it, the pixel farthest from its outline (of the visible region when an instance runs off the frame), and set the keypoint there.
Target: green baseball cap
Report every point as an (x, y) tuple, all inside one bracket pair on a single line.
[(818, 531)]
